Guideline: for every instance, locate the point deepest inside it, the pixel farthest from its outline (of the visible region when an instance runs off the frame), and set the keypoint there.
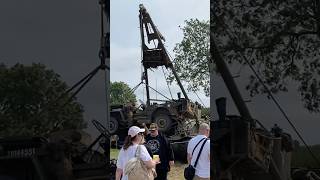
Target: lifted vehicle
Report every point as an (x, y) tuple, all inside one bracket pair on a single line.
[(171, 115), (179, 118)]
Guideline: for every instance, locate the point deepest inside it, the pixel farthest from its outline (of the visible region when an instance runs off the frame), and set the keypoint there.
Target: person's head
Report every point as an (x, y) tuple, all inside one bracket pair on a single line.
[(143, 126), (153, 129), (204, 129), (135, 136)]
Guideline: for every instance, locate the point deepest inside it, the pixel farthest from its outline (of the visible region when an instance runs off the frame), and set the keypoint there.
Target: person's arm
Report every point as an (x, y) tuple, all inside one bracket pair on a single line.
[(120, 165), (189, 153), (146, 158), (169, 152), (189, 157), (209, 150), (150, 164), (118, 173)]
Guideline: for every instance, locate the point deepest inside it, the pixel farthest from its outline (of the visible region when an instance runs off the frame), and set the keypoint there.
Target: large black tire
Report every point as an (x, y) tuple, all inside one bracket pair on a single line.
[(114, 125), (180, 151), (163, 120)]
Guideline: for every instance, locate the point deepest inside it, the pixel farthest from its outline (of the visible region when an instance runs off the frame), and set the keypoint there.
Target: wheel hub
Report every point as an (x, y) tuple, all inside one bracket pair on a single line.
[(162, 123), (112, 125)]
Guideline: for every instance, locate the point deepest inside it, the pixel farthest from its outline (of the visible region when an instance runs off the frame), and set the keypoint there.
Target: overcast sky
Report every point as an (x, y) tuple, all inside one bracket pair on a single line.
[(63, 35), (167, 15)]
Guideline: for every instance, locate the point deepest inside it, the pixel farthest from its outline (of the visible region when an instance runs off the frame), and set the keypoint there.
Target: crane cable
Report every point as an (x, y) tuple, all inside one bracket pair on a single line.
[(167, 82), (269, 92), (157, 91), (187, 83), (195, 92)]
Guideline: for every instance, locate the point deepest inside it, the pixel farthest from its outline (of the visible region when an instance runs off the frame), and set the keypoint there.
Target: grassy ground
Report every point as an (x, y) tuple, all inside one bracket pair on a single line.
[(176, 172), (114, 153)]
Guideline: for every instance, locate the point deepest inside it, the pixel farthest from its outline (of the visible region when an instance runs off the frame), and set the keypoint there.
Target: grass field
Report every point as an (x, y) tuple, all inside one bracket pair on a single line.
[(176, 172)]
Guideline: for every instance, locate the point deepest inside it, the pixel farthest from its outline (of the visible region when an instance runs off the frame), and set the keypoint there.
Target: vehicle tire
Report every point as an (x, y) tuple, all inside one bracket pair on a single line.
[(180, 151), (163, 121), (114, 125)]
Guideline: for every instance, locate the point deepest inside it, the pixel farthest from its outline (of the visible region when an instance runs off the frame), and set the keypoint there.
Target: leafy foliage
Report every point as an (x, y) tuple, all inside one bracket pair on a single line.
[(120, 93), (27, 94), (192, 54), (279, 38), (205, 112)]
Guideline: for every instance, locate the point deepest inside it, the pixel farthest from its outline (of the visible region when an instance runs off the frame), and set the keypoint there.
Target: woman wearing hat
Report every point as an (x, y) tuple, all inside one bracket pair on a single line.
[(135, 137)]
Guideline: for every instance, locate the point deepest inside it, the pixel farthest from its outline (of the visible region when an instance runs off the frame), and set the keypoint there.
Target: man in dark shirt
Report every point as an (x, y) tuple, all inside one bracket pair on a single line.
[(146, 132), (160, 145)]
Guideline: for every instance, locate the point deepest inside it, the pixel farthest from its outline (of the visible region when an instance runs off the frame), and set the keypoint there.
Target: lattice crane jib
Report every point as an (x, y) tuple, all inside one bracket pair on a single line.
[(157, 55)]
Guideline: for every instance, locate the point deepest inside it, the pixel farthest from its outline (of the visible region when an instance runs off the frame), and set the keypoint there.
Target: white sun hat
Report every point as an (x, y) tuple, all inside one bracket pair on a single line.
[(134, 130)]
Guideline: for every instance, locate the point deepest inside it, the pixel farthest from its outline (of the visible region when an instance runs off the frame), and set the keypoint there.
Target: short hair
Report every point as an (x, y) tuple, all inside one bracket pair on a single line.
[(204, 126)]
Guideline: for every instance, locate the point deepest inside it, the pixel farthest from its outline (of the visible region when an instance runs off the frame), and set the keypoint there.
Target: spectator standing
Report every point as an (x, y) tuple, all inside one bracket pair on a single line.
[(160, 146), (133, 140), (203, 166)]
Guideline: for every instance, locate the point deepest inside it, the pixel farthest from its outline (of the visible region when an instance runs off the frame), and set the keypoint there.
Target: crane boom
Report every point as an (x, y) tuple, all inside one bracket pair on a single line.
[(157, 56)]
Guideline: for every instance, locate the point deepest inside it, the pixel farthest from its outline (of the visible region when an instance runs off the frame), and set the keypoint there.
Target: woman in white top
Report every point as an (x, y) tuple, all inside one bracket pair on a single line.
[(135, 137)]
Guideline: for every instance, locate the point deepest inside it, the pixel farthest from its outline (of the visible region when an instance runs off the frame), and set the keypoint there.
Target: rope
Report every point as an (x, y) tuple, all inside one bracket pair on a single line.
[(136, 87), (157, 92), (66, 92), (199, 98), (94, 72), (270, 94)]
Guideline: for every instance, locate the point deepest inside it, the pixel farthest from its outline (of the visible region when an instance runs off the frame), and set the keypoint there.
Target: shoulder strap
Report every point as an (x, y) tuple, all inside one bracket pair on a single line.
[(197, 145), (195, 164), (137, 154)]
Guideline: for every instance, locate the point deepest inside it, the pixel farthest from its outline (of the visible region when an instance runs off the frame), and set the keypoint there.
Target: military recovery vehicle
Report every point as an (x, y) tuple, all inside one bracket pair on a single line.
[(176, 118)]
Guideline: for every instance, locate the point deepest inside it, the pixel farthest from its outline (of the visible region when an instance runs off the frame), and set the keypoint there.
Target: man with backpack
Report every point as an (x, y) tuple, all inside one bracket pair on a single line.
[(199, 153)]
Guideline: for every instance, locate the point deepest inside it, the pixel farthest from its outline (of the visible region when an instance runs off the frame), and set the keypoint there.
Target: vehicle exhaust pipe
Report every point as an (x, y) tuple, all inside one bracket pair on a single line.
[(221, 104)]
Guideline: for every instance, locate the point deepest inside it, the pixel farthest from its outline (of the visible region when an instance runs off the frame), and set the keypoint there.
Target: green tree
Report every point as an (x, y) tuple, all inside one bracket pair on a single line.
[(192, 54), (280, 39), (205, 112), (27, 94), (120, 93)]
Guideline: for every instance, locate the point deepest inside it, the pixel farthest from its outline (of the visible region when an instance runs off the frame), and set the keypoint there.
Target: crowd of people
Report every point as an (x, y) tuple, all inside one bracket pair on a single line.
[(147, 154)]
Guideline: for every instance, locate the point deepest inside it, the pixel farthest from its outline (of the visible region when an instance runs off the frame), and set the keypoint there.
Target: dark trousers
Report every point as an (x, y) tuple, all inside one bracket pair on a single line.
[(161, 174)]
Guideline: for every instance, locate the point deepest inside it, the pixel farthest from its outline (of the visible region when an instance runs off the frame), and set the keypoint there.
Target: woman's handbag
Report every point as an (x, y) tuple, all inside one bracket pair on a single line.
[(136, 169), (189, 172)]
